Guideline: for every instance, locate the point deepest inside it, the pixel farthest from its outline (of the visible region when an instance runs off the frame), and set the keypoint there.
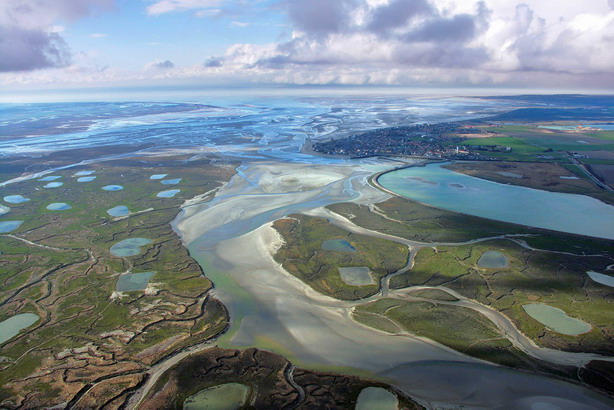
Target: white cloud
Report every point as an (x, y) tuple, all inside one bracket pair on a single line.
[(98, 35), (168, 6)]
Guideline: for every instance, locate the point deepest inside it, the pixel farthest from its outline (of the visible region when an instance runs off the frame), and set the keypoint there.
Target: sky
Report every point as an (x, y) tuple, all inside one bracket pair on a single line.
[(530, 44)]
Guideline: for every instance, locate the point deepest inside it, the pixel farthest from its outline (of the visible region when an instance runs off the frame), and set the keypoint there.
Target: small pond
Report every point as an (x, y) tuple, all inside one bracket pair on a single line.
[(8, 226), (129, 247), (171, 181), (16, 199), (459, 186), (168, 194), (376, 398), (4, 209), (556, 319), (83, 173), (130, 282), (58, 206), (53, 185), (158, 176), (337, 245), (50, 178), (356, 276), (601, 278), (229, 396), (86, 179), (493, 260), (120, 210), (568, 177), (13, 325), (112, 188)]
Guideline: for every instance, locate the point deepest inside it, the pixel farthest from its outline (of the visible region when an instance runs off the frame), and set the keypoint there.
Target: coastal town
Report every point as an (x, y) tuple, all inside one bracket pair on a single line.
[(433, 141)]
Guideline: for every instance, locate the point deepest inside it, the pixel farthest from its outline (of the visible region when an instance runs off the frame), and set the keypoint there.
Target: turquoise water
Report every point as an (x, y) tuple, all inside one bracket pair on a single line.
[(157, 176), (4, 209), (11, 326), (337, 245), (229, 396), (53, 185), (601, 278), (50, 178), (83, 173), (112, 187), (16, 199), (120, 210), (131, 282), (129, 247), (376, 398), (356, 276), (8, 226), (86, 179), (171, 181), (556, 319), (58, 206), (571, 213), (493, 259), (168, 194)]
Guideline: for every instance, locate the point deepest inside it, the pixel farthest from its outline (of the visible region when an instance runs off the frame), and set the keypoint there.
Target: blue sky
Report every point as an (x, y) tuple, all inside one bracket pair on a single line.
[(412, 43)]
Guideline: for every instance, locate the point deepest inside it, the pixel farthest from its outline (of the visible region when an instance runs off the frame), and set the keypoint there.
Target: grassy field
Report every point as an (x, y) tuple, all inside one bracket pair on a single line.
[(57, 264), (302, 255)]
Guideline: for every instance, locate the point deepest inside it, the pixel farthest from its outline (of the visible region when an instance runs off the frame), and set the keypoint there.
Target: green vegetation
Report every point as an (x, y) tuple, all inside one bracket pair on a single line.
[(557, 280), (302, 255), (459, 328), (58, 265)]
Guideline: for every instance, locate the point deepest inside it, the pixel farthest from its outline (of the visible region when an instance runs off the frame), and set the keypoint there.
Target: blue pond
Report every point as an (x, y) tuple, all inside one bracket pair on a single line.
[(4, 209), (120, 210), (8, 226), (571, 213), (131, 282), (170, 181), (50, 178), (112, 187), (86, 179), (16, 199), (58, 206), (83, 173), (129, 247), (157, 176), (168, 194), (53, 185), (337, 245)]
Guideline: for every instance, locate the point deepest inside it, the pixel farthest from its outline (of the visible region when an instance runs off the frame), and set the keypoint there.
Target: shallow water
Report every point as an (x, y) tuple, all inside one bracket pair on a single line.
[(10, 327), (229, 396), (53, 185), (129, 247), (120, 210), (157, 176), (16, 199), (168, 194), (171, 181), (50, 178), (571, 213), (4, 209), (493, 259), (85, 179), (376, 398), (556, 319), (112, 187), (337, 245), (58, 206), (130, 282), (83, 173), (8, 226), (601, 278), (356, 276)]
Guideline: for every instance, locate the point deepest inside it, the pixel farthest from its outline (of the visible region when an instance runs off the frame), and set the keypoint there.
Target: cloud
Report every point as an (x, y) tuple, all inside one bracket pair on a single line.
[(29, 37), (239, 24), (98, 35), (23, 49), (160, 65), (169, 6), (321, 16), (397, 13)]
